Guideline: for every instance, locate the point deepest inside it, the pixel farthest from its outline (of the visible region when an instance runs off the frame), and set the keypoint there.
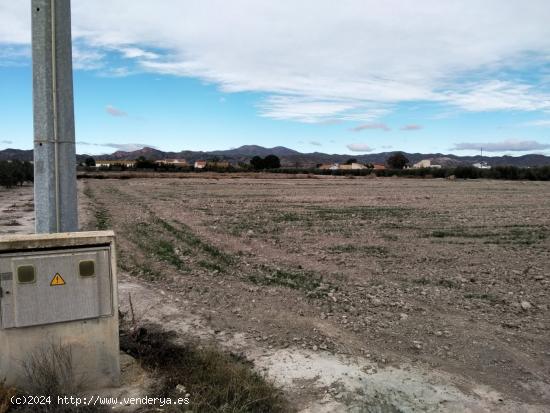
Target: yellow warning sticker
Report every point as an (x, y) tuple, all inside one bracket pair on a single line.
[(57, 280)]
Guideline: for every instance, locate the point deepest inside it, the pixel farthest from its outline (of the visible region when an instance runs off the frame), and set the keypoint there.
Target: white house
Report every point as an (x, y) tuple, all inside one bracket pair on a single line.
[(425, 163), (481, 165)]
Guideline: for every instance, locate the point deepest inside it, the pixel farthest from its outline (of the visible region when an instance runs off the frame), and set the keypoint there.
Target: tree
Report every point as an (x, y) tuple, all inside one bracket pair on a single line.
[(397, 161), (15, 173), (143, 163), (89, 161), (257, 163), (269, 162), (272, 162), (350, 161)]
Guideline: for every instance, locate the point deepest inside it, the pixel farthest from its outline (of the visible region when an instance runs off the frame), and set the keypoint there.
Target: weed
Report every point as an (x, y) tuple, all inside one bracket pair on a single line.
[(358, 248), (361, 212), (493, 299), (215, 381), (150, 241), (523, 235), (184, 234), (6, 393), (296, 279), (49, 370)]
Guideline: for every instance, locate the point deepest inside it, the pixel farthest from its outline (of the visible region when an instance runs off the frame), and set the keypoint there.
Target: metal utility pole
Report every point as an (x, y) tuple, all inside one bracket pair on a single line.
[(55, 195)]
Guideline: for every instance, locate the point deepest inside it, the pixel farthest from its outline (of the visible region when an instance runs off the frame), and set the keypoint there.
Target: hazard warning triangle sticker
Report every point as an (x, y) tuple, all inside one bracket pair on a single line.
[(57, 280)]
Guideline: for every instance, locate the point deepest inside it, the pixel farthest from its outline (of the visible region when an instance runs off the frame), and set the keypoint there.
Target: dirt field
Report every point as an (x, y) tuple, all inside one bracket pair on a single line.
[(426, 295)]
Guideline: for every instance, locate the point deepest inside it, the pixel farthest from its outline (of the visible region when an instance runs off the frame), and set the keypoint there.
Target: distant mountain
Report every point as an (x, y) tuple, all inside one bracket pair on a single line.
[(255, 150), (292, 158), (16, 155)]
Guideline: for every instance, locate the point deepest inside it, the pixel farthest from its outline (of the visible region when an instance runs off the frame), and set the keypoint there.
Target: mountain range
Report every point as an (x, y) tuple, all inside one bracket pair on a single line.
[(292, 158)]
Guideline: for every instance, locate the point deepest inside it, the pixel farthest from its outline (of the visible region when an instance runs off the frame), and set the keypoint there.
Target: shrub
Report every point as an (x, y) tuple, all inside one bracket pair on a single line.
[(15, 173)]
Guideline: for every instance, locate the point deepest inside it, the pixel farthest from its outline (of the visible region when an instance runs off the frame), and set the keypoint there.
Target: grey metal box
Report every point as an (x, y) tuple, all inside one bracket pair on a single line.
[(69, 284)]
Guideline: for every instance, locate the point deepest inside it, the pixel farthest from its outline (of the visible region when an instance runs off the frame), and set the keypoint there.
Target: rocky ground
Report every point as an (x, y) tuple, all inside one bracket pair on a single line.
[(353, 294)]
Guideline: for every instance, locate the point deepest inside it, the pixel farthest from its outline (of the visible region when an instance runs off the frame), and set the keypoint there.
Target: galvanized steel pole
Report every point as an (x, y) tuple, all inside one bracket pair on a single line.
[(55, 194)]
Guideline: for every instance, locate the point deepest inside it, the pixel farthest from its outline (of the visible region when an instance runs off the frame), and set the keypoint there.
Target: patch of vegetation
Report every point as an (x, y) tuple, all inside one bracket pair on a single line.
[(184, 234), (148, 238), (361, 212), (102, 221), (443, 282), (297, 279), (15, 173), (139, 269), (374, 250), (102, 218), (493, 299), (511, 234), (215, 381), (49, 372), (288, 217)]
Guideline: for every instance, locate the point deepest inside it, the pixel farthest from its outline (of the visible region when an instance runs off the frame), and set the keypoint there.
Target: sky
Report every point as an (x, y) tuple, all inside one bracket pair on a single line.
[(353, 76)]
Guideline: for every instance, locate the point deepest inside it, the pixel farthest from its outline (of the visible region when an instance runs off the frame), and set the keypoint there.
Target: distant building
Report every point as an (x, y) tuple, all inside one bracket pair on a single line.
[(175, 162), (329, 166), (353, 166), (481, 165), (378, 166), (425, 163), (218, 164), (200, 164), (119, 162)]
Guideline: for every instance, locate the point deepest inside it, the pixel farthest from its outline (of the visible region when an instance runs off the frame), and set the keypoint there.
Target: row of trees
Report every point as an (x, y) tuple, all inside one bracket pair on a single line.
[(15, 173), (269, 162)]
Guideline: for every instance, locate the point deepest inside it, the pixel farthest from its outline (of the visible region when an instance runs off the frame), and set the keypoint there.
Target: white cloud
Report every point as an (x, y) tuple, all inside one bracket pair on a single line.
[(359, 147), (352, 60), (540, 122), (6, 142), (503, 146), (86, 58), (137, 53), (111, 110), (315, 143), (499, 95), (126, 147), (366, 126), (411, 127)]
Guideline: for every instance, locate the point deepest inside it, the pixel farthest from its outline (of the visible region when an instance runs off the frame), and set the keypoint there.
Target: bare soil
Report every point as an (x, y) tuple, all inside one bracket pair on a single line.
[(403, 294)]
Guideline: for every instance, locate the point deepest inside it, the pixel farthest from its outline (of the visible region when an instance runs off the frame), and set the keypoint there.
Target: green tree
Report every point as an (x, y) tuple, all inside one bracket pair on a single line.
[(397, 161), (257, 163), (89, 161), (143, 163), (272, 162)]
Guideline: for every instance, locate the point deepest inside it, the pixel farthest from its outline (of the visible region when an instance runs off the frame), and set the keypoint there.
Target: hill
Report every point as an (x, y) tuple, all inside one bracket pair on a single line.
[(292, 158)]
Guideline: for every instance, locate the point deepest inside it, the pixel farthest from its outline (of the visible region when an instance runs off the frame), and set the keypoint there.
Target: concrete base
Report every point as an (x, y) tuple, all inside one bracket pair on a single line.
[(94, 342), (93, 345)]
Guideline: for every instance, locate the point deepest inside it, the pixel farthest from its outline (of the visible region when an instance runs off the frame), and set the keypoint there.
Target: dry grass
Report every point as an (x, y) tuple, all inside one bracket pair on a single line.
[(214, 380), (49, 370)]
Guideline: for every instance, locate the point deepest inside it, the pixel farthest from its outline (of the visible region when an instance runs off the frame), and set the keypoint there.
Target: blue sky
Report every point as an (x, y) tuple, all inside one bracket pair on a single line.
[(355, 76)]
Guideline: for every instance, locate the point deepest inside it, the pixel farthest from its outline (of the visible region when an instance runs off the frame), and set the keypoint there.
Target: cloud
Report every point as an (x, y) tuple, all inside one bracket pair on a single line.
[(315, 143), (503, 146), (319, 69), (411, 127), (6, 142), (137, 53), (494, 95), (360, 128), (386, 146), (126, 147), (87, 58), (541, 122), (359, 147), (111, 110)]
